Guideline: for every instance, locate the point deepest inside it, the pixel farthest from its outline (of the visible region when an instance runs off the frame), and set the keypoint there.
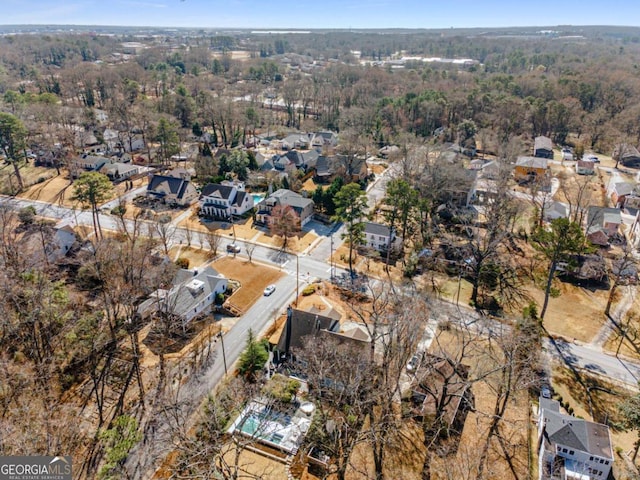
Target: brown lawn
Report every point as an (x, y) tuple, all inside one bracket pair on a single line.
[(253, 278), (294, 244), (57, 190), (255, 465), (626, 348), (197, 257), (30, 174), (576, 313)]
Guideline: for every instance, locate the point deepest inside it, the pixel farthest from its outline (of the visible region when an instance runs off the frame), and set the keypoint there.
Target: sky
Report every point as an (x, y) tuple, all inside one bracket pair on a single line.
[(321, 14)]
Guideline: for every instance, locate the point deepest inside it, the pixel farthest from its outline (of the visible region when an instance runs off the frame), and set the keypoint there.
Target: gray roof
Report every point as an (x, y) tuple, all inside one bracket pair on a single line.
[(625, 188), (597, 217), (187, 291), (376, 229), (293, 199), (532, 162), (592, 438), (543, 143)]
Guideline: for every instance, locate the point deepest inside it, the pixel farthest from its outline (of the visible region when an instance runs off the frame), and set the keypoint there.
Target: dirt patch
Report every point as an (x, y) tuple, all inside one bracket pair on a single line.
[(253, 278), (377, 168)]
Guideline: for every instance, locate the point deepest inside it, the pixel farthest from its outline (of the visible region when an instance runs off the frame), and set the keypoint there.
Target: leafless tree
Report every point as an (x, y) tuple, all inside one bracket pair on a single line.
[(284, 222), (214, 239), (250, 247), (621, 268), (165, 230)]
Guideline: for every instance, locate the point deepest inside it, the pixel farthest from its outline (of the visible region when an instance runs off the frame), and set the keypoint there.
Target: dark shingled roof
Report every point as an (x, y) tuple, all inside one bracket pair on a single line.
[(224, 191), (301, 324), (376, 229), (173, 185)]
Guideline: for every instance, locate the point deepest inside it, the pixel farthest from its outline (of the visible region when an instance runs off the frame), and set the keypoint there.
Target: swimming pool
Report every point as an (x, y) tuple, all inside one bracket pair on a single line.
[(257, 197)]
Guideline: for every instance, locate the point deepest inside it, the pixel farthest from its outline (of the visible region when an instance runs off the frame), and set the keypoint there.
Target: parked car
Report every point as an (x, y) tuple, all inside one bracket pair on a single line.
[(233, 248), (592, 158), (567, 154), (545, 392), (269, 290), (414, 363)]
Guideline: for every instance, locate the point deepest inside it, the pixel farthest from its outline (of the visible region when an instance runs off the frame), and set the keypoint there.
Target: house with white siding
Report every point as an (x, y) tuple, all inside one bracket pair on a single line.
[(570, 447)]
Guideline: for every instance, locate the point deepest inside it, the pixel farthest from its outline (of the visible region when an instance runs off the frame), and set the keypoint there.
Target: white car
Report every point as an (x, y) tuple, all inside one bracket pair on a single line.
[(269, 290), (414, 363)]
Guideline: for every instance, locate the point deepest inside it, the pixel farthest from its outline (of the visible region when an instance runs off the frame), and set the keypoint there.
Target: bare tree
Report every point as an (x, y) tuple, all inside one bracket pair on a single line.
[(250, 247), (284, 222), (214, 239), (622, 267), (165, 230)]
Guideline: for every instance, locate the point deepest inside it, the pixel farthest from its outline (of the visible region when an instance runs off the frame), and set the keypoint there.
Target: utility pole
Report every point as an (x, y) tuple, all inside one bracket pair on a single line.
[(331, 260), (224, 356), (297, 278)]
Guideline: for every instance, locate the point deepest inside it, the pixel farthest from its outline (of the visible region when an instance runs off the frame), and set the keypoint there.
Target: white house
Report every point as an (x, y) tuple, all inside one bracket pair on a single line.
[(380, 237), (569, 447), (191, 294), (222, 201)]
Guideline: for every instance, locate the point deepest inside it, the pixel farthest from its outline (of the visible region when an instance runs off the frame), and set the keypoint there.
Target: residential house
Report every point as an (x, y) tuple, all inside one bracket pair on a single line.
[(621, 190), (350, 168), (570, 447), (87, 163), (380, 237), (585, 167), (221, 201), (295, 141), (301, 205), (441, 389), (325, 325), (554, 210), (324, 139), (119, 171), (542, 147), (531, 169), (603, 224), (63, 240), (172, 190), (303, 160), (628, 154), (191, 294)]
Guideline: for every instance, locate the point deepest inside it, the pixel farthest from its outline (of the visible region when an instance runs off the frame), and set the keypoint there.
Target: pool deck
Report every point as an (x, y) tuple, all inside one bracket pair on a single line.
[(272, 427)]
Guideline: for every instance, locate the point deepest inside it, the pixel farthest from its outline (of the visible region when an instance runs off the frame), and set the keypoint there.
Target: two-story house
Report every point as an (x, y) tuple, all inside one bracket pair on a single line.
[(221, 201), (380, 237), (530, 169), (190, 294), (602, 224), (570, 447), (172, 190), (301, 205), (543, 147)]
